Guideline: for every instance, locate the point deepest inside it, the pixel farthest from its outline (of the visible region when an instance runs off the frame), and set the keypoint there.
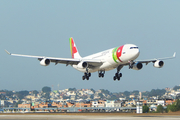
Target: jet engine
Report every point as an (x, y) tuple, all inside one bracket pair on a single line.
[(82, 64), (137, 66), (45, 62), (158, 64)]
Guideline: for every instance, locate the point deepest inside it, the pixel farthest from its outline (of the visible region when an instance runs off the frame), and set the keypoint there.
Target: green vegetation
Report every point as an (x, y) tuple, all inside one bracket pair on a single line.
[(93, 90), (145, 109), (35, 92), (176, 87), (154, 92), (46, 90), (16, 104), (174, 107), (22, 94), (160, 109), (135, 92), (72, 89), (105, 91)]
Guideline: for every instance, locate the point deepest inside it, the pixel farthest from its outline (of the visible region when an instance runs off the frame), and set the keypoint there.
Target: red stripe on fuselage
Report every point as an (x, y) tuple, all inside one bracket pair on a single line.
[(119, 52)]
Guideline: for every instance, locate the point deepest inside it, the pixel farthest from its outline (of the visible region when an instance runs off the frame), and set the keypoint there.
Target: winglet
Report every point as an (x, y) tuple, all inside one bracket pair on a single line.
[(8, 52), (174, 55)]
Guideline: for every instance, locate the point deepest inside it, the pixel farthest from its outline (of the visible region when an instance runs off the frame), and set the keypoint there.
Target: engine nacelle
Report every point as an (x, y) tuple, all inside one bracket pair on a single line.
[(45, 62), (158, 64), (137, 66), (82, 64)]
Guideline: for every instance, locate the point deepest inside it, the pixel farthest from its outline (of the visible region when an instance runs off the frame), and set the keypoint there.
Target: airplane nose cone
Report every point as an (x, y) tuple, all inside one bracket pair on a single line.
[(136, 53)]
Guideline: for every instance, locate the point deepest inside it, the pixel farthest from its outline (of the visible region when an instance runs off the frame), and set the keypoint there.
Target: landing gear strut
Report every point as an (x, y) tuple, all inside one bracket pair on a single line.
[(131, 63), (118, 75), (101, 73)]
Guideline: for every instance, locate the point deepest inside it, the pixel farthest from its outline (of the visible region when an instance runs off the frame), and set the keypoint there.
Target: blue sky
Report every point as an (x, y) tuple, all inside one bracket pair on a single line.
[(44, 27)]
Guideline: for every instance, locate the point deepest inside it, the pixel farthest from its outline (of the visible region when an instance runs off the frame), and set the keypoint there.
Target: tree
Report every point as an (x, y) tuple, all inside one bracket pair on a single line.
[(93, 90), (156, 92), (136, 92), (22, 94), (9, 93), (145, 109), (35, 92), (174, 107), (176, 87), (47, 96), (101, 95), (178, 104), (113, 97), (126, 93), (72, 89), (16, 104), (46, 89), (171, 108), (160, 109), (105, 91)]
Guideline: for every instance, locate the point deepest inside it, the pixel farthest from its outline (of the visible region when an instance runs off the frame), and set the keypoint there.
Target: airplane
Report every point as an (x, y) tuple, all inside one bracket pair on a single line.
[(114, 58)]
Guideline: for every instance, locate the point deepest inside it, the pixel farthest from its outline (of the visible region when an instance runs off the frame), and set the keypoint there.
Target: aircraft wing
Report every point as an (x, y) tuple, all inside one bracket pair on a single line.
[(67, 61), (155, 59)]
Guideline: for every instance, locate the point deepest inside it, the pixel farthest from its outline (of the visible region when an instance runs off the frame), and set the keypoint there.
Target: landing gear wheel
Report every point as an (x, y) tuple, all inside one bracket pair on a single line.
[(117, 76), (83, 77), (89, 74), (114, 78), (86, 76), (120, 74), (101, 73)]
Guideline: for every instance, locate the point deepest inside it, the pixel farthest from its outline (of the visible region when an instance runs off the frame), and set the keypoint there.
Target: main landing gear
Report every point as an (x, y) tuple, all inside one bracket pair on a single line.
[(86, 76), (101, 73), (118, 75)]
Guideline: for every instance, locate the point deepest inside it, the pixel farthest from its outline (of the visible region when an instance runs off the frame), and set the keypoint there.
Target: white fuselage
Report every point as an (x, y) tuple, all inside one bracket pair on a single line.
[(112, 58)]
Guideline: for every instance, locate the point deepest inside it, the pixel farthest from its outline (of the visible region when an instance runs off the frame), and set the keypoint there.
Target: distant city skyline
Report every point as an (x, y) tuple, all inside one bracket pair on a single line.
[(44, 28), (53, 89)]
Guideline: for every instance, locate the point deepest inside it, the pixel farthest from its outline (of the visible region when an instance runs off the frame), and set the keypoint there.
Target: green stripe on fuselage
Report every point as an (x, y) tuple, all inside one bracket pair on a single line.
[(114, 55)]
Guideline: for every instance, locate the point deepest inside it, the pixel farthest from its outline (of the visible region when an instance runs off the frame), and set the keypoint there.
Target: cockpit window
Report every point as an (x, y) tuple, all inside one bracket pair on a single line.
[(133, 47)]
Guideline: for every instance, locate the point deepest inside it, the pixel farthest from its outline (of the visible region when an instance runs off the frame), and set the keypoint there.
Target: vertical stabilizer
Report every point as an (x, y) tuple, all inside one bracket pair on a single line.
[(73, 48)]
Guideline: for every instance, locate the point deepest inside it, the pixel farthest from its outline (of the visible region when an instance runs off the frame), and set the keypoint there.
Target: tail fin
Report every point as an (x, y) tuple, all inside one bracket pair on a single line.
[(74, 50)]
